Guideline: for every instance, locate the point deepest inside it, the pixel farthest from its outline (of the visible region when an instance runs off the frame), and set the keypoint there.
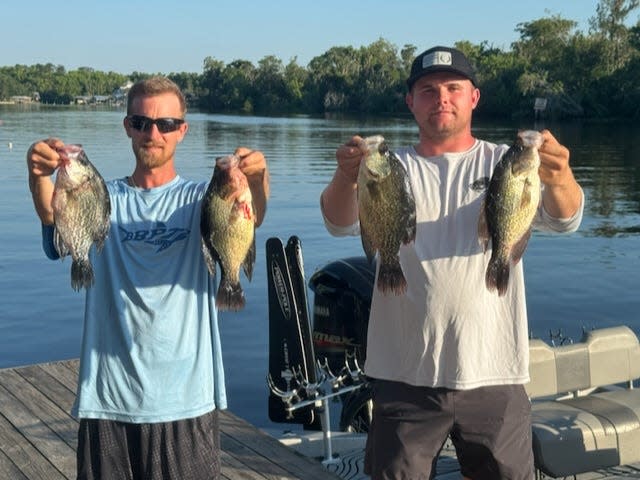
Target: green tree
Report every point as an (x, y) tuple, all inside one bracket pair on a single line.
[(211, 85), (379, 84), (270, 86), (295, 80), (609, 21), (331, 78), (237, 86)]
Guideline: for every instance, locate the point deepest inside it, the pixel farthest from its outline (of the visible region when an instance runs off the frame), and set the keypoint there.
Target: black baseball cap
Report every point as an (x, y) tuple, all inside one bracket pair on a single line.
[(441, 59)]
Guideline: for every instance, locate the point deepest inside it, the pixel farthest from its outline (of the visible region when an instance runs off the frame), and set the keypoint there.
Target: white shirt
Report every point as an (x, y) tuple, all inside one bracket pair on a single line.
[(448, 330)]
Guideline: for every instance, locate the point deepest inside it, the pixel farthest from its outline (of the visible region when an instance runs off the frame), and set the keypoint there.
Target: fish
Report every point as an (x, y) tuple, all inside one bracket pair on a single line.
[(509, 207), (386, 211), (81, 212), (227, 228)]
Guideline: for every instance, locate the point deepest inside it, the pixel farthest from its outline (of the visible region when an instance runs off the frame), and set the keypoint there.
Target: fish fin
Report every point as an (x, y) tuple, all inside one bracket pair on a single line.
[(59, 244), (208, 250), (367, 246), (250, 260), (497, 275), (408, 213), (229, 295), (519, 247), (391, 279), (209, 258), (525, 198), (81, 274), (408, 218), (483, 226)]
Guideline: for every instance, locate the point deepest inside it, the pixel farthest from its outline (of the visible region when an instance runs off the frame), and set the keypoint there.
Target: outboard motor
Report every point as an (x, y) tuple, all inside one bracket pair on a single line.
[(342, 300)]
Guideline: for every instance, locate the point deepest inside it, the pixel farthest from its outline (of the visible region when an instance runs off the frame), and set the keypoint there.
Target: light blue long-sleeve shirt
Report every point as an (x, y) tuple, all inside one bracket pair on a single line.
[(151, 346)]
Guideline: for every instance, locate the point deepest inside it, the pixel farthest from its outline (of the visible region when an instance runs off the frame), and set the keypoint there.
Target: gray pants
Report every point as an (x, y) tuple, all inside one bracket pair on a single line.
[(490, 428)]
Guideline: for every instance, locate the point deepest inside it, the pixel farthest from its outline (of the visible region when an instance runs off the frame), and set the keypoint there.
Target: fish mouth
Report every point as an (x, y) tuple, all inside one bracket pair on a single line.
[(372, 174), (227, 162)]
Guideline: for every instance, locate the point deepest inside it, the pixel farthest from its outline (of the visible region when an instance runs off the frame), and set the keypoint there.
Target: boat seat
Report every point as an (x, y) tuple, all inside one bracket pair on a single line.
[(578, 425)]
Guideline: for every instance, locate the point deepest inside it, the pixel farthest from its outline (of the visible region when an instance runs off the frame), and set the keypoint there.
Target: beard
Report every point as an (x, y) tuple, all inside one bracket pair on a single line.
[(439, 129), (151, 155)]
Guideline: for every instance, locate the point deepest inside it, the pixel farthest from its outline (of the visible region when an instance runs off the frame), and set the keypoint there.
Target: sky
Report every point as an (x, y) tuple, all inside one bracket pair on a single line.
[(162, 36)]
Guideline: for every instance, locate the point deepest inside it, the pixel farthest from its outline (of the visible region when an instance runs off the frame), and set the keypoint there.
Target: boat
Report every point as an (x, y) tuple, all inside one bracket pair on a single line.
[(585, 411)]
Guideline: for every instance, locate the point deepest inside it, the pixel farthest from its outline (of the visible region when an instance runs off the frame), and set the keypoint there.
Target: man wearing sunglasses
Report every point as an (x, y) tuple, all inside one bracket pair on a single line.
[(151, 374)]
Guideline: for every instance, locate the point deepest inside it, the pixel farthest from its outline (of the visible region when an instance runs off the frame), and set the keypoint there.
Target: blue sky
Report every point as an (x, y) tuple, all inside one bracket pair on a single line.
[(176, 36)]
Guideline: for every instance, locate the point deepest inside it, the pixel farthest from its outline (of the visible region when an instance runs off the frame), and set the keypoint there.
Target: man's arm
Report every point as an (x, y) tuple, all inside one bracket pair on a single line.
[(562, 195), (254, 166), (42, 161), (339, 198)]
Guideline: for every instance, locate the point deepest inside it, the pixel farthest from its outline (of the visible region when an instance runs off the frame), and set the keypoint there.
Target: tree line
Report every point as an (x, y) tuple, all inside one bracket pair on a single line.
[(590, 75)]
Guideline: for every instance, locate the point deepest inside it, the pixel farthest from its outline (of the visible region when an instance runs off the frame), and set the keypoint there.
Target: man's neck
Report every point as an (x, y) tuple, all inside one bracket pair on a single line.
[(430, 147)]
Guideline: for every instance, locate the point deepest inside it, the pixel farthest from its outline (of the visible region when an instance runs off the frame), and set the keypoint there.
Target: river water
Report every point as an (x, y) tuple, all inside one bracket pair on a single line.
[(589, 279)]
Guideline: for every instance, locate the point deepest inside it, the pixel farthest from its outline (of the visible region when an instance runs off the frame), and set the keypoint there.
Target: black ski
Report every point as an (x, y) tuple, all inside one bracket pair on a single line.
[(293, 251), (290, 347)]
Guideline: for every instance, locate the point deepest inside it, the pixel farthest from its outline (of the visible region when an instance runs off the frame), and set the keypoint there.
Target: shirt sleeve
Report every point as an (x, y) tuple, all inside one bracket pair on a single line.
[(339, 231), (47, 242), (547, 223)]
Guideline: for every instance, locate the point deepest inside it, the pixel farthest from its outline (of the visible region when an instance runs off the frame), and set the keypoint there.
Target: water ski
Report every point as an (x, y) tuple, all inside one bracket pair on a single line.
[(291, 352)]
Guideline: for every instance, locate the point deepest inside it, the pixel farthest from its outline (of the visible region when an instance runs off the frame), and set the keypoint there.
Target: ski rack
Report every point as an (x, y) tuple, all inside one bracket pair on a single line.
[(300, 385), (302, 393)]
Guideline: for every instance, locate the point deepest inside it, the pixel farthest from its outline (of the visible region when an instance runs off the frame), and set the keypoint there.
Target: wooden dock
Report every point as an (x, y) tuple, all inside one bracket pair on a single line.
[(38, 436)]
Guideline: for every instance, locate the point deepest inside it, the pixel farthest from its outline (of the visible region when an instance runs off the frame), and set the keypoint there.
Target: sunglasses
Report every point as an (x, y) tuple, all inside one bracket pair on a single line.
[(165, 125)]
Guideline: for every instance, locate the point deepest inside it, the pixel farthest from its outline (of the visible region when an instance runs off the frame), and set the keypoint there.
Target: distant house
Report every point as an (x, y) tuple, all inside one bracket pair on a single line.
[(21, 99), (82, 99), (120, 94), (100, 99)]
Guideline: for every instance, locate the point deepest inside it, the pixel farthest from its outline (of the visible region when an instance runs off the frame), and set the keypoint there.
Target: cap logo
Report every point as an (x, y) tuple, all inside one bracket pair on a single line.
[(436, 58)]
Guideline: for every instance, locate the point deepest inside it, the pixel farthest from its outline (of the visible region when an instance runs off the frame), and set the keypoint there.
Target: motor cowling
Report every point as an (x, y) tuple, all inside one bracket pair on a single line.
[(342, 301)]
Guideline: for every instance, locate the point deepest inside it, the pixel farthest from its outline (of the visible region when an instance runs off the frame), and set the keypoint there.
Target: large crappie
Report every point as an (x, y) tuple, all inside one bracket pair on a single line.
[(509, 208), (387, 212), (81, 210), (227, 227)]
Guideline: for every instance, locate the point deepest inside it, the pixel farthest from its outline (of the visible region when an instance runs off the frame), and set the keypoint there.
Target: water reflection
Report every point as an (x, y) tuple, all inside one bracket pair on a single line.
[(583, 280)]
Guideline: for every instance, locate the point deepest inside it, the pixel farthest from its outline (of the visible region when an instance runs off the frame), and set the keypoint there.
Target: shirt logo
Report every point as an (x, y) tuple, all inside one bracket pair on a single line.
[(436, 58), (159, 235), (480, 184)]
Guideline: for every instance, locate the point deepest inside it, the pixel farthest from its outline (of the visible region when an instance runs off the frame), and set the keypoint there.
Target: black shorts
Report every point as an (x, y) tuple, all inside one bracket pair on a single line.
[(181, 450), (490, 428)]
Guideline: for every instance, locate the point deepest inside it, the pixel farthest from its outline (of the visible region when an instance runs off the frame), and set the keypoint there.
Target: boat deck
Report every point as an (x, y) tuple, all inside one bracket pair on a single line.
[(349, 462), (38, 436)]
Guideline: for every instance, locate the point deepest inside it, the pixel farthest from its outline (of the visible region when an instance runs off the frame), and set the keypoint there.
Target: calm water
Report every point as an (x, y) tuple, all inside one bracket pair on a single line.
[(584, 280)]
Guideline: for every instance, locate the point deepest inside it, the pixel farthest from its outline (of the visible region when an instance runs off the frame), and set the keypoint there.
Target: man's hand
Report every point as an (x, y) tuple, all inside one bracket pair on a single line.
[(42, 161), (562, 195), (254, 166), (554, 161), (349, 157)]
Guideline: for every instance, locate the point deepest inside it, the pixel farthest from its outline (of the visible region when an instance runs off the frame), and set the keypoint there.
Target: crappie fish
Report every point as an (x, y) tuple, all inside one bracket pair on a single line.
[(387, 212), (81, 210), (509, 208), (227, 227)]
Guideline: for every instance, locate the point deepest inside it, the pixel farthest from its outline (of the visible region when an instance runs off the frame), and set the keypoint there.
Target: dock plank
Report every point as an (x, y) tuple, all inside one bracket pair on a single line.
[(31, 414), (243, 439), (8, 469), (38, 436), (25, 456)]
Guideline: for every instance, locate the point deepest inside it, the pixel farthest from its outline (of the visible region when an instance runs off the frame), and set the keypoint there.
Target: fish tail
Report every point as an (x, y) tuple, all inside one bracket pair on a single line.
[(81, 274), (391, 279), (230, 295), (497, 276)]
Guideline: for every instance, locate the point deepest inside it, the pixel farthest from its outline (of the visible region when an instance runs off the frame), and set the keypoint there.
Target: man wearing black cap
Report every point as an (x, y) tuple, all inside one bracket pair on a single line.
[(449, 357)]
